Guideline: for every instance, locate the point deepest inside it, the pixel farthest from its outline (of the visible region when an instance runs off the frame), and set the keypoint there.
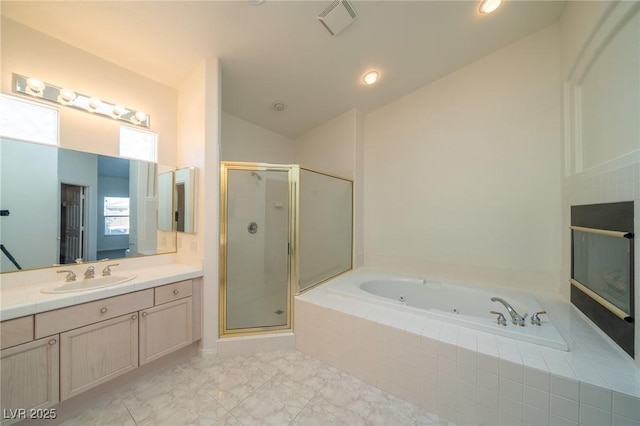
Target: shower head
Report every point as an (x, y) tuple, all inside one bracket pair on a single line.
[(256, 175)]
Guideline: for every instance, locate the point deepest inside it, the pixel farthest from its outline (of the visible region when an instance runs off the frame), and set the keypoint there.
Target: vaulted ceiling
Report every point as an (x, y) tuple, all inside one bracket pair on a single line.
[(278, 50)]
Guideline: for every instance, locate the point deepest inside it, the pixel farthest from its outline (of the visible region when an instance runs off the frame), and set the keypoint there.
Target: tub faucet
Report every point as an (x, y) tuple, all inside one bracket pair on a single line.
[(516, 318)]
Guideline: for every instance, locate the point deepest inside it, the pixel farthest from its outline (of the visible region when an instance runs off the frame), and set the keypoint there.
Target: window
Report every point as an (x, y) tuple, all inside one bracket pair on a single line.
[(116, 216), (28, 121), (138, 144)]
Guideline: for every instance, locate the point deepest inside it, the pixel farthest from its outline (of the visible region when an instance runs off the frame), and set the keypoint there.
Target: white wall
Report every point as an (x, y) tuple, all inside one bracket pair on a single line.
[(198, 145), (613, 175), (462, 177), (244, 141), (31, 53), (330, 147), (336, 147)]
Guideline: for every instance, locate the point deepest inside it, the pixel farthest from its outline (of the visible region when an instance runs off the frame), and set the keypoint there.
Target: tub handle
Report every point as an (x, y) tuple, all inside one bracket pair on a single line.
[(535, 319), (501, 320)]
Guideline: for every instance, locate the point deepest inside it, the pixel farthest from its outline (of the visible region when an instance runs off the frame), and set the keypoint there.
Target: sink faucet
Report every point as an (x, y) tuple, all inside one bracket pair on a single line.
[(516, 318), (89, 273), (71, 276), (107, 269)]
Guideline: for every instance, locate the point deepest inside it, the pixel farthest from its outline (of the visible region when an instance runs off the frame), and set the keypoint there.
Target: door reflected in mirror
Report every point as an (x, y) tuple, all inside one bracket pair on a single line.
[(165, 202), (63, 205), (185, 198)]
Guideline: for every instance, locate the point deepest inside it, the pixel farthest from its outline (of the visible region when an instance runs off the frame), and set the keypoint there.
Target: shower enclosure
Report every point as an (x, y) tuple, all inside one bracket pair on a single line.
[(283, 229), (258, 238)]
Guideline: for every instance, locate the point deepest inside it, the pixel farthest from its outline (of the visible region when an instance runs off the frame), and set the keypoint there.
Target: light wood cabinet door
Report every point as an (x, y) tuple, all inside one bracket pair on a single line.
[(165, 328), (30, 375), (96, 353)]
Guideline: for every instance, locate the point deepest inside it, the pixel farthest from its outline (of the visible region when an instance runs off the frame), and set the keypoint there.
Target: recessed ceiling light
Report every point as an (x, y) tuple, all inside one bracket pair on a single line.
[(488, 6), (370, 77)]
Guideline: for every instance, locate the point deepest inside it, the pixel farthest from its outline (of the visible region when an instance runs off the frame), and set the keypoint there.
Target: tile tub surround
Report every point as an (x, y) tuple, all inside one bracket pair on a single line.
[(472, 377), (20, 291), (274, 388)]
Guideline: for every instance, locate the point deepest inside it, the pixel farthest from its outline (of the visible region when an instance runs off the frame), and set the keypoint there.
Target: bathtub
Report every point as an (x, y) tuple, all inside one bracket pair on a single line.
[(451, 303)]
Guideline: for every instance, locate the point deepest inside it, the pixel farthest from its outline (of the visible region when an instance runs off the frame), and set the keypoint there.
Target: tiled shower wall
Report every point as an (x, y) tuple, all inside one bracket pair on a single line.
[(608, 183)]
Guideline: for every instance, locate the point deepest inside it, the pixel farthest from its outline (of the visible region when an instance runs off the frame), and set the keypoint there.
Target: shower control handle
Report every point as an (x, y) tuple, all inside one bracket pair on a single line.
[(501, 320)]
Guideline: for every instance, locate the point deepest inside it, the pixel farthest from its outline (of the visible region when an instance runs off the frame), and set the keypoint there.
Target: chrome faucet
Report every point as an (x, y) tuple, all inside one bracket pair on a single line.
[(107, 269), (71, 276), (535, 318), (516, 318), (89, 273)]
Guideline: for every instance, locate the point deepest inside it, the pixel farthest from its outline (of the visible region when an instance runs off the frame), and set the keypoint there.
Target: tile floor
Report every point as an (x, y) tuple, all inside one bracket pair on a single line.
[(274, 388)]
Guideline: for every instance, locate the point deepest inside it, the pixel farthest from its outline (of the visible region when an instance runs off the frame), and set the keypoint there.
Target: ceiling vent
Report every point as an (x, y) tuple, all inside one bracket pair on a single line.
[(337, 16)]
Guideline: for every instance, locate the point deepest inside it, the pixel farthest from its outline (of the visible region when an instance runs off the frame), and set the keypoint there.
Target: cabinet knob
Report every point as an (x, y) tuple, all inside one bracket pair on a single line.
[(103, 310), (175, 292), (52, 341), (144, 314), (134, 317)]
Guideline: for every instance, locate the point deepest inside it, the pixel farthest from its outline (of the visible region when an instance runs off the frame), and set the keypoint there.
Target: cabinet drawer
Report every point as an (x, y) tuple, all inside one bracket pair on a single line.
[(16, 331), (175, 291), (64, 319)]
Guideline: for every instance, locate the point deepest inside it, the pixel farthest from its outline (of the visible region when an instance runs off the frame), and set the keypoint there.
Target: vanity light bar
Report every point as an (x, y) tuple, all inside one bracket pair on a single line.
[(37, 88)]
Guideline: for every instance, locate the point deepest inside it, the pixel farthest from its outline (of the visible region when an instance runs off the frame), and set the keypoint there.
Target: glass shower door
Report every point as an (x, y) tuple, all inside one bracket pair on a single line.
[(256, 229)]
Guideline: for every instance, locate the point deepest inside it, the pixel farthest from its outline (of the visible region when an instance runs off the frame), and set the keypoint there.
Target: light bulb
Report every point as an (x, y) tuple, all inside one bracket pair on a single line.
[(139, 117), (94, 104), (35, 86), (488, 6), (119, 110), (66, 96), (370, 77)]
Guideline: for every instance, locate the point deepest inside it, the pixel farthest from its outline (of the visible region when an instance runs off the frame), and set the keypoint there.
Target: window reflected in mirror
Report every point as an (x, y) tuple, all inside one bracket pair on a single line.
[(116, 216)]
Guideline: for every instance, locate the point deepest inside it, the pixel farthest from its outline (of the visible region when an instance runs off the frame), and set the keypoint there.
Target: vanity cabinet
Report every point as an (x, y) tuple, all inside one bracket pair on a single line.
[(55, 355), (30, 376), (98, 340), (96, 353)]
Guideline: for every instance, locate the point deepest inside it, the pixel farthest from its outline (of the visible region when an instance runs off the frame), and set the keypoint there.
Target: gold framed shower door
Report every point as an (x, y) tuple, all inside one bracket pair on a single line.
[(293, 176)]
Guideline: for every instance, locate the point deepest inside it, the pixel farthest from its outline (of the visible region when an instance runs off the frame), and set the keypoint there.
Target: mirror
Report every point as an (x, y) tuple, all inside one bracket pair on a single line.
[(59, 205), (165, 202), (185, 198)]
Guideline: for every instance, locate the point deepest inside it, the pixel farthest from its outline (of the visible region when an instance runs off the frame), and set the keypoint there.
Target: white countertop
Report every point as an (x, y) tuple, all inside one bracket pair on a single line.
[(25, 298)]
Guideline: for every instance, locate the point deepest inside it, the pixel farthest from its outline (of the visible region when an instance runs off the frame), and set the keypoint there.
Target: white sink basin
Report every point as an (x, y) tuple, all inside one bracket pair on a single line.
[(87, 284)]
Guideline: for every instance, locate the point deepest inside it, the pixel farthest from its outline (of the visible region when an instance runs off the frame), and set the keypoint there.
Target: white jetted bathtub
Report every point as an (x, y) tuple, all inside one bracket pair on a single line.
[(462, 305)]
